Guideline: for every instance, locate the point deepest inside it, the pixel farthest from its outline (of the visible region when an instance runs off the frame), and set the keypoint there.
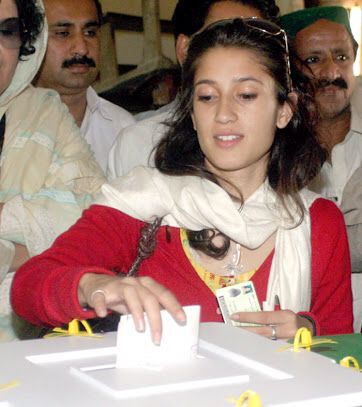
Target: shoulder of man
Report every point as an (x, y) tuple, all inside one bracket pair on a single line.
[(135, 145), (356, 98), (152, 128), (109, 110), (352, 198), (117, 112)]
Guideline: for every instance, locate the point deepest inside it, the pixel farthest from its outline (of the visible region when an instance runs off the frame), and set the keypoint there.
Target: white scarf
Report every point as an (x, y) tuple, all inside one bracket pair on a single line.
[(194, 203)]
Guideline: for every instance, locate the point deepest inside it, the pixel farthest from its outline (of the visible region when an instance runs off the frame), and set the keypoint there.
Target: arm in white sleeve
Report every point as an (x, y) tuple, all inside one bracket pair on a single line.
[(351, 207)]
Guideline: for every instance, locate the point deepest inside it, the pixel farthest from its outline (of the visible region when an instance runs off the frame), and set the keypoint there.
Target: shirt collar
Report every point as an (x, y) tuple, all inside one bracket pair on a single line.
[(94, 102), (92, 99), (356, 111)]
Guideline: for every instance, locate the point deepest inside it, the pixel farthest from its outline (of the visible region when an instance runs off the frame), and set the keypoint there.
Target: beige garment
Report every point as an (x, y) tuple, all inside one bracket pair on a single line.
[(48, 173)]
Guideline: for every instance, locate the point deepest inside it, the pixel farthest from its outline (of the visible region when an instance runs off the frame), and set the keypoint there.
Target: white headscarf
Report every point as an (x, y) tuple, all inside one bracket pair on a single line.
[(195, 203), (27, 68)]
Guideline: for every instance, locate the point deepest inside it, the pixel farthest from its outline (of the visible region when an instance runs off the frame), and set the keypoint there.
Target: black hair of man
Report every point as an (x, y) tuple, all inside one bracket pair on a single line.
[(189, 15)]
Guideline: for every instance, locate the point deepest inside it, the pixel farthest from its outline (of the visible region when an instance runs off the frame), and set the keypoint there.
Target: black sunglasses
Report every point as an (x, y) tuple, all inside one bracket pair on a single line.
[(10, 33)]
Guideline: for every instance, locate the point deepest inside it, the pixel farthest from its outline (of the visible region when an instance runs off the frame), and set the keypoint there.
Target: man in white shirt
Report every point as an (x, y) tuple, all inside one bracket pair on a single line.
[(135, 145), (326, 49), (71, 66)]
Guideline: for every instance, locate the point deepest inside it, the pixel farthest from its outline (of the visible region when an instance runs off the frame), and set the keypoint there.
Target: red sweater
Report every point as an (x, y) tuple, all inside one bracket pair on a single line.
[(104, 240)]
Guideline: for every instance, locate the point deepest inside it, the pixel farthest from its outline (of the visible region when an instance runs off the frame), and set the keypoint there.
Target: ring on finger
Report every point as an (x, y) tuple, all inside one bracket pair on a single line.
[(97, 292), (273, 335)]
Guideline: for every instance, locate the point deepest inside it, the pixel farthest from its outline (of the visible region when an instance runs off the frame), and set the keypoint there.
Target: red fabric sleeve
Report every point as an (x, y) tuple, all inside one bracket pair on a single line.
[(331, 297), (331, 304), (91, 245)]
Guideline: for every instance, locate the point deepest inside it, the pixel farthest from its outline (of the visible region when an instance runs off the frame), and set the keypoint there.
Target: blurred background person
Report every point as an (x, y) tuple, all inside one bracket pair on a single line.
[(71, 66)]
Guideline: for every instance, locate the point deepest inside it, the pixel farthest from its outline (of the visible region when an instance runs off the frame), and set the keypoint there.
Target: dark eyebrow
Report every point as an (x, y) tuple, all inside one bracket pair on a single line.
[(337, 50), (10, 20), (91, 24), (236, 80), (314, 52), (205, 81), (67, 24), (340, 50), (61, 24)]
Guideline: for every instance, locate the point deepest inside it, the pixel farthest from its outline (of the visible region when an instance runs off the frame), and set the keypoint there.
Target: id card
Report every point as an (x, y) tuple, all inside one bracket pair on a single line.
[(237, 298)]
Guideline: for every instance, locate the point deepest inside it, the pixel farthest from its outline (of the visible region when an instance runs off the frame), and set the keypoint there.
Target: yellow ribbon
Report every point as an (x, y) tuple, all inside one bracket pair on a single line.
[(249, 396), (10, 385), (73, 330), (351, 362), (303, 339)]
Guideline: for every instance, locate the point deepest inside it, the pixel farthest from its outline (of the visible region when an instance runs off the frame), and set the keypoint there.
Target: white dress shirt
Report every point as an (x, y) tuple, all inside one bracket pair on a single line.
[(102, 123), (135, 144), (346, 157)]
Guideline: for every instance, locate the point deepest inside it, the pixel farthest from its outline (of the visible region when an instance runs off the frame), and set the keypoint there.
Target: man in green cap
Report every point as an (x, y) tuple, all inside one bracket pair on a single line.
[(326, 50)]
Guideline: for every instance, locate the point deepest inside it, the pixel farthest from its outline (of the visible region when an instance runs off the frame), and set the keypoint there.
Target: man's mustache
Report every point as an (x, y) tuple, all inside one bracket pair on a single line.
[(339, 82), (84, 60)]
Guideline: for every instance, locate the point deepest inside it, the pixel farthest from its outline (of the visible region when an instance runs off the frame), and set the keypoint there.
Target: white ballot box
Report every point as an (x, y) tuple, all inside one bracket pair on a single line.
[(77, 371)]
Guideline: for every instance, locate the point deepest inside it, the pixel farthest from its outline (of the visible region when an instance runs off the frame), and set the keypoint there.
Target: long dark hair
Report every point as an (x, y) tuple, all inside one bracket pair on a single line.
[(295, 157)]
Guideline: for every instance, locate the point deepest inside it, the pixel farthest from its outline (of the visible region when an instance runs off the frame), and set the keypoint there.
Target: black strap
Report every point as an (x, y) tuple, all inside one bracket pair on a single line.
[(146, 247), (2, 132)]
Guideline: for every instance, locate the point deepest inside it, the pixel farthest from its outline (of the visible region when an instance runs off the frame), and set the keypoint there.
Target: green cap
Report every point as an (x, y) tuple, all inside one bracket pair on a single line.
[(298, 20)]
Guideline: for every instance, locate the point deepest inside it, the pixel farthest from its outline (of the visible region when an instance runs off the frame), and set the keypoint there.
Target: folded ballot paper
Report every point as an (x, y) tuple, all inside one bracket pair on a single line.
[(179, 343)]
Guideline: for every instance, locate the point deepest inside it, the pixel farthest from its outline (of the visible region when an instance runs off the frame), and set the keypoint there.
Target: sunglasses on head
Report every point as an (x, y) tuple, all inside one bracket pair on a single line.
[(266, 27), (272, 29)]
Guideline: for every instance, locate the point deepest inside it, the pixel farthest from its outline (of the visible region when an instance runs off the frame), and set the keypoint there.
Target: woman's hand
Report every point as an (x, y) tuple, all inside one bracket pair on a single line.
[(286, 323), (130, 295)]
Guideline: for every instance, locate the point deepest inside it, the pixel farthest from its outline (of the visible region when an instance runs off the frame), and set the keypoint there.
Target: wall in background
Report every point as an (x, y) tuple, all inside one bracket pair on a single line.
[(134, 7), (129, 45)]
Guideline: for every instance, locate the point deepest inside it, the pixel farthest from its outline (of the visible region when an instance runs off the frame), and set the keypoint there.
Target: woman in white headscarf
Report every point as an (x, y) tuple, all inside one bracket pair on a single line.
[(47, 172)]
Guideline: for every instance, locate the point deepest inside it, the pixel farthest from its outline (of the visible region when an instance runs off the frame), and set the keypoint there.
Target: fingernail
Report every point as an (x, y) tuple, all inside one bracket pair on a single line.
[(140, 325), (235, 317), (157, 338), (181, 317)]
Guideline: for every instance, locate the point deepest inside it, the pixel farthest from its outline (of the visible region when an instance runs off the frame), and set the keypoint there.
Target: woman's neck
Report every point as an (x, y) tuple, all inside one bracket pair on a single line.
[(244, 182)]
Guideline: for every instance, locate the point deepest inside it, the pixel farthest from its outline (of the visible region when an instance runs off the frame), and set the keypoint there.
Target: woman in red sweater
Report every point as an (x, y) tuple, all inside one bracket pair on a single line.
[(229, 189)]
